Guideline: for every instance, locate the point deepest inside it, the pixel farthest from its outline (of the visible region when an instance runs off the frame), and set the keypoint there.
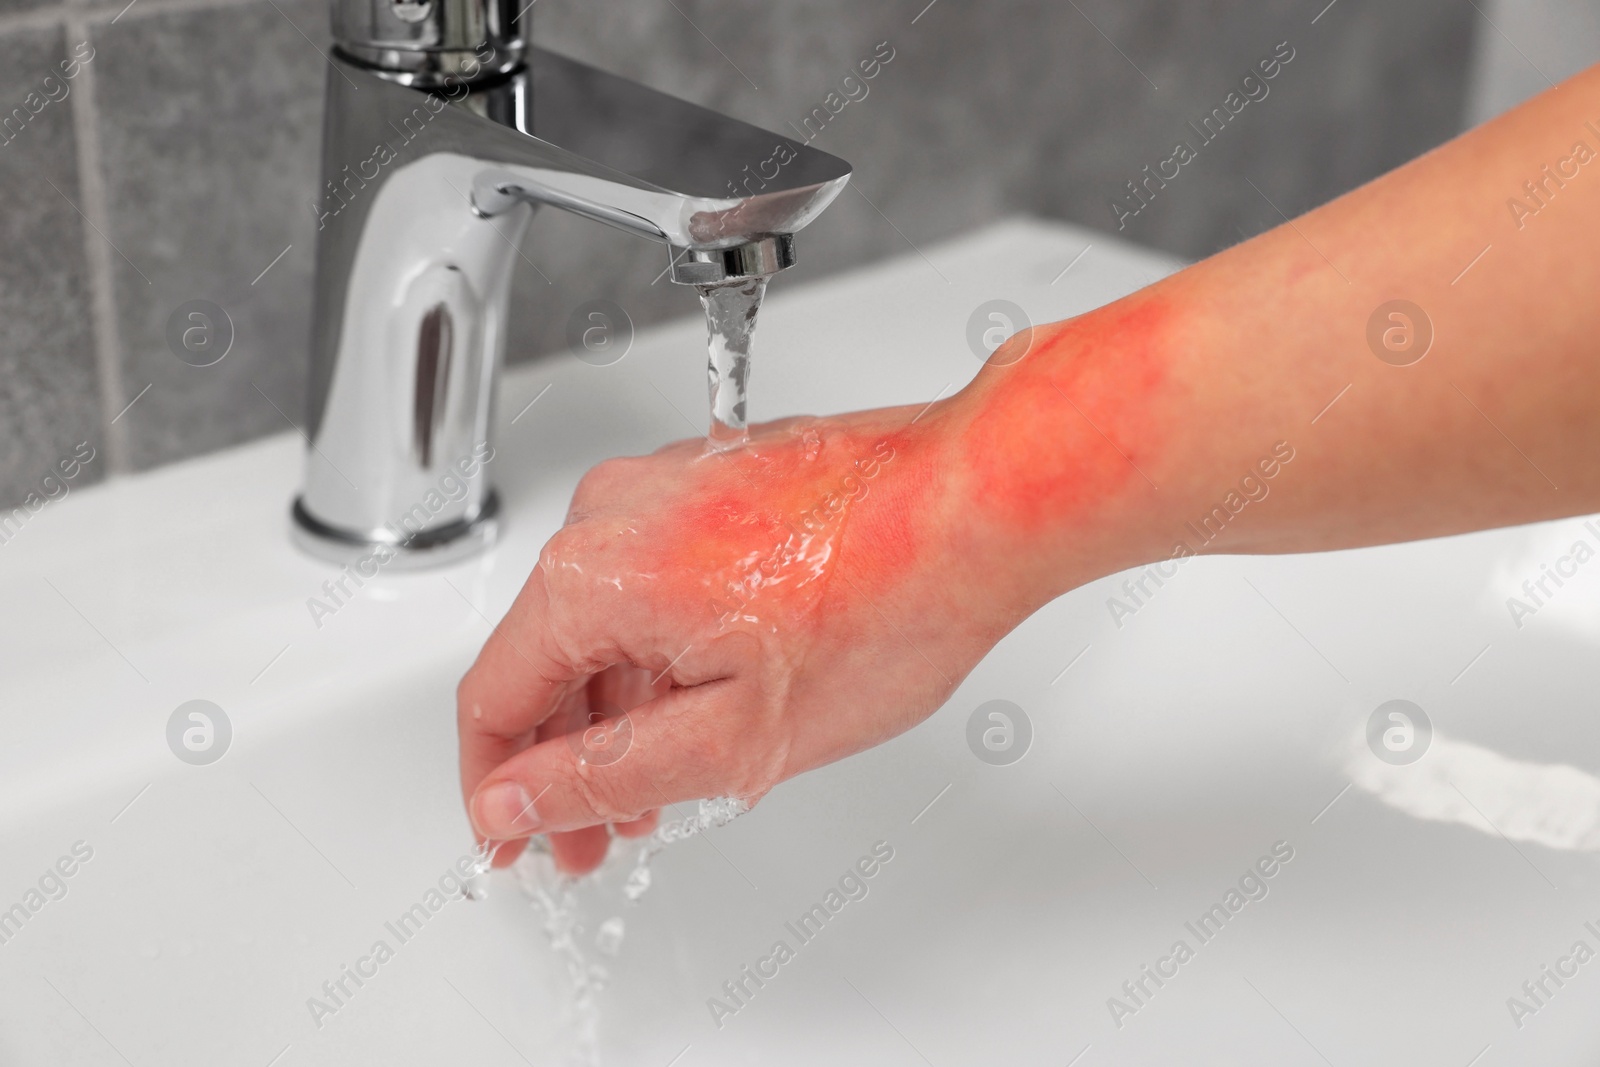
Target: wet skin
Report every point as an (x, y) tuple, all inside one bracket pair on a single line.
[(722, 599), (764, 611)]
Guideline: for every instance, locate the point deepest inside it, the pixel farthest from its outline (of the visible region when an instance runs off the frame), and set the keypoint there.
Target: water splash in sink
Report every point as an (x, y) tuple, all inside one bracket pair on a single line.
[(560, 901), (712, 814)]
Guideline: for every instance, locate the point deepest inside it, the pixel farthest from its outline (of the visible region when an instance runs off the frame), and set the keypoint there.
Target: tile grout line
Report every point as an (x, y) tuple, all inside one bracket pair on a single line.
[(100, 12), (102, 281), (39, 18), (117, 10)]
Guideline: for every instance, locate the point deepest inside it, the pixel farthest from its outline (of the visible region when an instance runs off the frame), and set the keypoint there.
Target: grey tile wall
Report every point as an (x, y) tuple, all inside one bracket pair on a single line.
[(49, 392), (204, 120), (208, 167), (1554, 40), (1025, 105), (11, 6)]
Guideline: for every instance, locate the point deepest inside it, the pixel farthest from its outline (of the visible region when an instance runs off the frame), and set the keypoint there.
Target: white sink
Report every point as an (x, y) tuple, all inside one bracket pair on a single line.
[(1169, 755)]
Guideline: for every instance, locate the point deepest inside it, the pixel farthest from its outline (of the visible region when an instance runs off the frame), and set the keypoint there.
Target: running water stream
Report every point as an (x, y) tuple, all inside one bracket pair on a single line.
[(560, 900), (730, 321)]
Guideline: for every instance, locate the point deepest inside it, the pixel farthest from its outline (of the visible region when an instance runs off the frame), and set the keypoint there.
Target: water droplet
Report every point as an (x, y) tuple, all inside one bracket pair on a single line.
[(811, 441), (638, 881), (608, 939)]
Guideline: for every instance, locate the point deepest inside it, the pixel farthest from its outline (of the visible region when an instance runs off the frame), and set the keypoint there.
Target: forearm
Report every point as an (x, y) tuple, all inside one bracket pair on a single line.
[(1161, 425)]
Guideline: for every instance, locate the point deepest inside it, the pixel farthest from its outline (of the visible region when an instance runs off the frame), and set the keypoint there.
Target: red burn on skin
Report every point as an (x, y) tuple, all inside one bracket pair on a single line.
[(766, 528), (860, 502), (1035, 455), (883, 536), (1038, 450)]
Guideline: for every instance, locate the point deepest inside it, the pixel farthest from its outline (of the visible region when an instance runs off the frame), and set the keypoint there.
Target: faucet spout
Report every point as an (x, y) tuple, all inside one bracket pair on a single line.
[(428, 185)]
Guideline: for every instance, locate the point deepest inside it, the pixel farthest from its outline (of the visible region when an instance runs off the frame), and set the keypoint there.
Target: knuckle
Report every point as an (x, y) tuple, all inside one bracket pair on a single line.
[(561, 547), (603, 792), (759, 776), (746, 763), (600, 478)]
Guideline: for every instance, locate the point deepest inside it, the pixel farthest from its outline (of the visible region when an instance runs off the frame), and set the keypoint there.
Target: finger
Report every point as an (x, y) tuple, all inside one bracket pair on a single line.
[(685, 745), (519, 679), (580, 851), (627, 687), (624, 686), (639, 827), (505, 852), (570, 708)]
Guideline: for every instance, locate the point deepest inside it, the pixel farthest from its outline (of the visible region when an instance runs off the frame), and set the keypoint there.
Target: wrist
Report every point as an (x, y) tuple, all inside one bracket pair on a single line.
[(1055, 450)]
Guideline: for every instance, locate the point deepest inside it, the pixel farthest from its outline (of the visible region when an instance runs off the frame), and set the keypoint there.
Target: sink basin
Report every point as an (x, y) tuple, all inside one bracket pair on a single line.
[(1177, 755)]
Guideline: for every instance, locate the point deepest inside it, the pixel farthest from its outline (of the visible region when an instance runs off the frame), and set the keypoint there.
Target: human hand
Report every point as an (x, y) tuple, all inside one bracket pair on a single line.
[(710, 624)]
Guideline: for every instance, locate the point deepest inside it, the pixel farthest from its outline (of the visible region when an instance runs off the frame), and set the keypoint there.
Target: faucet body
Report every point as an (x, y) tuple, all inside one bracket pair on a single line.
[(432, 166)]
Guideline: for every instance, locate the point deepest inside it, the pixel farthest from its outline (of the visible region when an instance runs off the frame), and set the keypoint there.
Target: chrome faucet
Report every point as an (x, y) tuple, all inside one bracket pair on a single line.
[(443, 130)]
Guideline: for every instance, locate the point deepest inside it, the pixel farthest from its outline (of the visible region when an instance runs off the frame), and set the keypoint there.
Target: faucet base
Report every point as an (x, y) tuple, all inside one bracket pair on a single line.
[(436, 547)]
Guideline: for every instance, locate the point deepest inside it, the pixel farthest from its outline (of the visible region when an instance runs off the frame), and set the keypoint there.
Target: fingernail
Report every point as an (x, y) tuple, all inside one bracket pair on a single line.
[(505, 810)]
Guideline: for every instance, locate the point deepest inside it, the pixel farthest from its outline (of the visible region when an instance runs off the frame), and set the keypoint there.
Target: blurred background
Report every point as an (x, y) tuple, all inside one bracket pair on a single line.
[(178, 163)]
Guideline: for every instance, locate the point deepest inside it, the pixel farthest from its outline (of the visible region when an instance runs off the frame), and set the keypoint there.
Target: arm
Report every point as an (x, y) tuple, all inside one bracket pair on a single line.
[(762, 612), (1197, 378)]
